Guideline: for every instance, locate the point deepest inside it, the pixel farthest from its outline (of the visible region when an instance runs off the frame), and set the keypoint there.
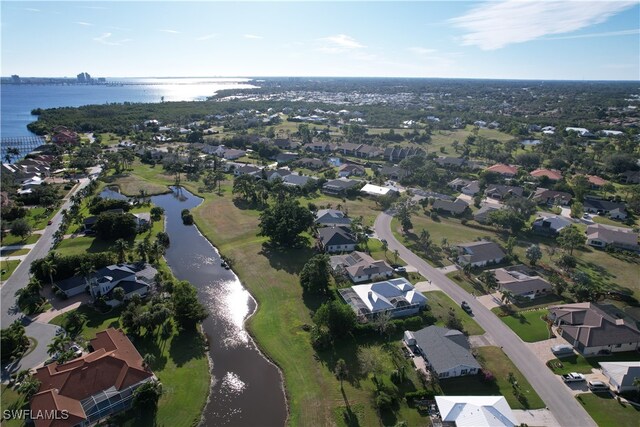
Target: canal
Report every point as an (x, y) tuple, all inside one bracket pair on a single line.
[(247, 388)]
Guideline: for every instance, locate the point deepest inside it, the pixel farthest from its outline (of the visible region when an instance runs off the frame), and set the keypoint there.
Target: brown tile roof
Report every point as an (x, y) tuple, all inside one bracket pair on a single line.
[(51, 400), (596, 180), (503, 169), (115, 362), (552, 174)]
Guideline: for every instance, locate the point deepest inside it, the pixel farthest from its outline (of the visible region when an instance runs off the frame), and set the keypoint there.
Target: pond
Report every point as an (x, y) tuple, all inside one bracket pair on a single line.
[(247, 388)]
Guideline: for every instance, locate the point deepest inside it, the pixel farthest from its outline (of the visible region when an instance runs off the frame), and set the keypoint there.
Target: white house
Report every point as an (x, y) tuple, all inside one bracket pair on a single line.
[(397, 297), (621, 375), (375, 190), (476, 411)]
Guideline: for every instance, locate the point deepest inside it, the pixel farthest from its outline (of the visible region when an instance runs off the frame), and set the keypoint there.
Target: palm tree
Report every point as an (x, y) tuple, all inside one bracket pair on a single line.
[(121, 247), (467, 269), (396, 254), (148, 360), (59, 344), (385, 247), (49, 266), (143, 248), (506, 297), (341, 370), (85, 270)]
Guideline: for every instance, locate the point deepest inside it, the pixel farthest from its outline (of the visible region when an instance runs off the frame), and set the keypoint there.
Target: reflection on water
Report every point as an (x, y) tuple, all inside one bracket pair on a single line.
[(247, 388)]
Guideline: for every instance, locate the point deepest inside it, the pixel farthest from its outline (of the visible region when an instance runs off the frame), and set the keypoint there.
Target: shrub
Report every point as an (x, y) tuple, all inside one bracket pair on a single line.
[(419, 394)]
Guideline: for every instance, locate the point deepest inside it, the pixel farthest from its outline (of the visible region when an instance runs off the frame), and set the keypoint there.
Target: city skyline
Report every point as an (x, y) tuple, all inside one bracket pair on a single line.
[(566, 40)]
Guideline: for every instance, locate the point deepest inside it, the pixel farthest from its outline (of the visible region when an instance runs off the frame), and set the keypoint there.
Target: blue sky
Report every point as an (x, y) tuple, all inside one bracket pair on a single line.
[(578, 40)]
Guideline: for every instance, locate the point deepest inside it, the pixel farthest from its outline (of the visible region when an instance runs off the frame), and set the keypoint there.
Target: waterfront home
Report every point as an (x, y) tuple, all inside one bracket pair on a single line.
[(361, 267), (336, 239), (63, 135), (476, 411), (591, 330), (446, 351), (480, 253), (396, 297), (602, 236), (92, 387), (521, 282)]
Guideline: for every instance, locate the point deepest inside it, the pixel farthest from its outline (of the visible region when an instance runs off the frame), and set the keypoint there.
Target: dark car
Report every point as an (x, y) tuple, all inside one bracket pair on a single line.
[(466, 307), (50, 222)]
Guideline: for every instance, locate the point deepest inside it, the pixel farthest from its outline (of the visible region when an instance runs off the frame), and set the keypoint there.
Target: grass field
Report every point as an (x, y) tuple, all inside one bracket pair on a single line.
[(606, 411), (7, 268), (584, 365), (14, 252), (11, 400), (470, 285), (528, 325), (180, 364), (440, 304), (494, 360), (10, 240)]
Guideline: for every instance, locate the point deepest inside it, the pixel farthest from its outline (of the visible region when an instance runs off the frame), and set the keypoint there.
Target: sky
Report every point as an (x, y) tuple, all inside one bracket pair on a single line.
[(565, 40)]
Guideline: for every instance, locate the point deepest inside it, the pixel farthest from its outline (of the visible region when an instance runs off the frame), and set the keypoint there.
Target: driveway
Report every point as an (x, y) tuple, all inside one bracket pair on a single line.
[(555, 395), (490, 301), (542, 349), (41, 332), (536, 417)]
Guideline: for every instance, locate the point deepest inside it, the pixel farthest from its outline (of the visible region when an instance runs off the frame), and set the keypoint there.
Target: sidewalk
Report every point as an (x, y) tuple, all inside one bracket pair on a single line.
[(426, 287)]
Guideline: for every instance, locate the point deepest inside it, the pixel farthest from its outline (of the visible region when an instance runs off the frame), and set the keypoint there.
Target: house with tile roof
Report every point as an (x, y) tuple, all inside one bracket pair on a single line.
[(91, 387), (552, 174), (591, 330), (521, 282), (446, 352), (505, 170), (397, 297), (361, 267)]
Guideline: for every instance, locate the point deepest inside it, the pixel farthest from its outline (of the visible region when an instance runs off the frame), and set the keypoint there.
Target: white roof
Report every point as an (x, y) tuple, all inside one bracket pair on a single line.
[(476, 411), (377, 296), (375, 190), (618, 370)]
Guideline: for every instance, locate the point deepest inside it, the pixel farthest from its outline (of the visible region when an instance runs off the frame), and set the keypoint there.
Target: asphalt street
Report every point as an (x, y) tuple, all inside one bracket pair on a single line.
[(558, 398)]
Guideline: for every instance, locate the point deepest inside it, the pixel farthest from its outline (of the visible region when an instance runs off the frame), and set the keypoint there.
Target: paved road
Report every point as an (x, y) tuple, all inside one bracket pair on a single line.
[(555, 394), (43, 333)]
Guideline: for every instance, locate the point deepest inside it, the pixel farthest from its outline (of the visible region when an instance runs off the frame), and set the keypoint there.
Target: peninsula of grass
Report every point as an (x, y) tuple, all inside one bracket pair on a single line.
[(440, 305), (584, 365), (607, 411), (528, 325), (494, 360)]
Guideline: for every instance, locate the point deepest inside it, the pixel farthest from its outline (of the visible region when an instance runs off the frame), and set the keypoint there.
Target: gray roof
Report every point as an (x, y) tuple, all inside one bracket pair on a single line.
[(503, 190), (483, 213), (456, 207), (445, 349), (330, 236), (341, 184), (612, 235), (602, 205), (332, 217), (482, 251), (297, 180), (360, 264)]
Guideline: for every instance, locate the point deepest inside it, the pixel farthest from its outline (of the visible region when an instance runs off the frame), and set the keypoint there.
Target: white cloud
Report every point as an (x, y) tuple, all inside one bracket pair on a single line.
[(206, 37), (421, 50), (170, 31), (595, 35), (339, 43), (252, 37), (494, 25), (32, 9), (106, 39), (84, 24)]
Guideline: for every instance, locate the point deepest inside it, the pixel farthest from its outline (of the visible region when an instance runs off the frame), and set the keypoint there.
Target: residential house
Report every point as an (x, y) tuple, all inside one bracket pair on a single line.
[(246, 170), (394, 172), (602, 236), (580, 131), (630, 177), (332, 218), (543, 196), (143, 220), (310, 163), (396, 154), (63, 135), (456, 207), (482, 214), (273, 174), (615, 210), (233, 154), (283, 158), (321, 147), (500, 192), (508, 171), (552, 174), (340, 186), (92, 387), (465, 186), (336, 239), (521, 282), (595, 181), (420, 194), (286, 144), (361, 267), (349, 169), (376, 190), (348, 148), (446, 351), (621, 375), (397, 297), (480, 253), (591, 330), (368, 151), (299, 181), (549, 225), (476, 411), (451, 162)]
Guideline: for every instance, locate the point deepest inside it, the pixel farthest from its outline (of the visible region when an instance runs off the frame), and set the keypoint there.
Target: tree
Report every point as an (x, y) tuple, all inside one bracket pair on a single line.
[(59, 344), (396, 255), (404, 209), (121, 247), (316, 273), (341, 371), (507, 220), (113, 225), (156, 213), (577, 210), (533, 254), (147, 395), (580, 187), (424, 239), (570, 238), (13, 341), (339, 318), (148, 360), (118, 293), (245, 186), (163, 239), (75, 321), (370, 360), (385, 247), (489, 279), (506, 297), (29, 386), (283, 222), (20, 228), (188, 310), (49, 266)]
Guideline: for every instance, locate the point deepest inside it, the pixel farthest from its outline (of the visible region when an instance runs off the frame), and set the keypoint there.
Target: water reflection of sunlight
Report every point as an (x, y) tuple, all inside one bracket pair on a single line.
[(231, 304), (232, 384)]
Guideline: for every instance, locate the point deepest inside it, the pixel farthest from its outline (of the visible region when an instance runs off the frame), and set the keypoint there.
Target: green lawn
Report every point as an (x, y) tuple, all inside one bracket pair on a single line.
[(14, 252), (38, 217), (180, 364), (11, 400), (584, 365), (470, 285), (606, 411), (494, 360), (7, 268), (528, 325), (10, 240), (440, 304)]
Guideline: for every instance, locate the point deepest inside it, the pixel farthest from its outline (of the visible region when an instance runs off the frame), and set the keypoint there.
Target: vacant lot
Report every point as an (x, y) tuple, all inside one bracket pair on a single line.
[(528, 325), (440, 305), (607, 411)]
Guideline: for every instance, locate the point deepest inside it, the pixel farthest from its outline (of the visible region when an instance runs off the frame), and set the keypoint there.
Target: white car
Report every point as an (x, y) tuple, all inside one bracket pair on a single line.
[(573, 377)]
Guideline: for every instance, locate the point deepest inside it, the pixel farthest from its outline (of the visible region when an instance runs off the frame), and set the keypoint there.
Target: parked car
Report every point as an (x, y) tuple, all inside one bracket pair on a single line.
[(562, 350), (400, 269), (465, 306), (573, 377), (50, 222), (596, 386), (76, 350)]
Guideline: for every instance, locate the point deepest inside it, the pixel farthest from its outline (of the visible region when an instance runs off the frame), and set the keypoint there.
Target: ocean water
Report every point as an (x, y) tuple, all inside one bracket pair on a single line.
[(19, 100)]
